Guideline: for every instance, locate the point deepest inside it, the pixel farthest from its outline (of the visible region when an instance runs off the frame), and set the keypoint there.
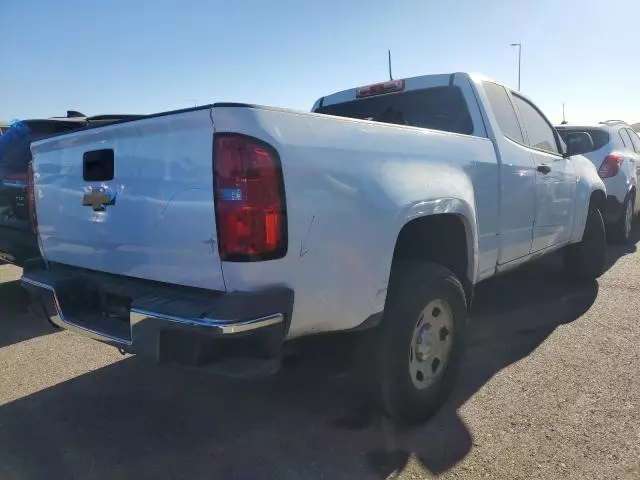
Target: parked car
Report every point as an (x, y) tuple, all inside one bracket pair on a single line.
[(17, 240), (3, 127), (615, 150), (213, 236)]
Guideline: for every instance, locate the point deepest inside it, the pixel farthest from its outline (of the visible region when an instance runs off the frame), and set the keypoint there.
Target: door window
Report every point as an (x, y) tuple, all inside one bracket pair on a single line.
[(503, 111), (539, 130)]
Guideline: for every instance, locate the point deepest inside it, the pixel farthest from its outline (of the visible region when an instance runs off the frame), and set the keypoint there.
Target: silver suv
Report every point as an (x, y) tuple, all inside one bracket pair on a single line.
[(614, 148)]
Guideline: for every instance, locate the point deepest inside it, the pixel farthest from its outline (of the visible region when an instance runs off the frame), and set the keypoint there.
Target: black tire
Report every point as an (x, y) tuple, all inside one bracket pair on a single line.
[(620, 231), (586, 260), (383, 354)]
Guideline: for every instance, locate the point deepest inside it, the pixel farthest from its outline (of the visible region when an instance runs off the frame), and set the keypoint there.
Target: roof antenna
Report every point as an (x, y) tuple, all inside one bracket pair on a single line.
[(564, 119), (390, 76)]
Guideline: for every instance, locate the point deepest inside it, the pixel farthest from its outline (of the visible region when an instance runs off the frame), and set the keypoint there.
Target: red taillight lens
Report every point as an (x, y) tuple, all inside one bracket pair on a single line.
[(16, 177), (31, 198), (249, 197), (611, 166)]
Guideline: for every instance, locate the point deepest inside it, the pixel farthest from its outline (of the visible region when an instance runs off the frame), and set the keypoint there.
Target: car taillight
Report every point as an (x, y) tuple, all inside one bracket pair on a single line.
[(611, 166), (250, 207), (31, 196), (15, 180)]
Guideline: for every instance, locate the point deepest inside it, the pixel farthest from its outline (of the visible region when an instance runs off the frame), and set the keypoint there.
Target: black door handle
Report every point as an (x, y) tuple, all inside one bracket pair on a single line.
[(544, 168)]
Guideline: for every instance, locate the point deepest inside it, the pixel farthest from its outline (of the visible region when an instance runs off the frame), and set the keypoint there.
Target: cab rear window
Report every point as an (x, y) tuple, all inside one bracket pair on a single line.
[(437, 108)]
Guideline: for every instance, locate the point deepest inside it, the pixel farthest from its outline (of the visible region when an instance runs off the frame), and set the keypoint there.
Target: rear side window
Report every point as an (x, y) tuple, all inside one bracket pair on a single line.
[(503, 111), (626, 140), (600, 137), (635, 140), (438, 108), (539, 130)]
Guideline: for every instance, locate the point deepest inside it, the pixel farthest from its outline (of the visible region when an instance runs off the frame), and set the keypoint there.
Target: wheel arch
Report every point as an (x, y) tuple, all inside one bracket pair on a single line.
[(599, 199), (453, 245), (588, 193)]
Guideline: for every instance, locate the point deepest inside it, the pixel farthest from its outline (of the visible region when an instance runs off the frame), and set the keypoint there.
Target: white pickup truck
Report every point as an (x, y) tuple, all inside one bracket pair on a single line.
[(213, 236)]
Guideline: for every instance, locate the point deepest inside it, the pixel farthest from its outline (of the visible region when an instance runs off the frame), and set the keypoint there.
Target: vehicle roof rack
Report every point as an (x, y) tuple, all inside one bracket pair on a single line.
[(612, 122)]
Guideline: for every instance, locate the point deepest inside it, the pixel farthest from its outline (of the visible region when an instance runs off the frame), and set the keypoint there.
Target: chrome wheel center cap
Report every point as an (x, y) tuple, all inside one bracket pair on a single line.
[(423, 346)]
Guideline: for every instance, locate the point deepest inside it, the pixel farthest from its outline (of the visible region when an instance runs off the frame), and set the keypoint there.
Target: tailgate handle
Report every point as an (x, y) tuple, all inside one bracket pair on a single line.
[(98, 165), (544, 169)]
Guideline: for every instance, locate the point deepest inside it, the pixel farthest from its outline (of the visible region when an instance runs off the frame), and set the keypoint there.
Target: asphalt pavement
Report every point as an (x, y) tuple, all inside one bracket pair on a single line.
[(549, 389)]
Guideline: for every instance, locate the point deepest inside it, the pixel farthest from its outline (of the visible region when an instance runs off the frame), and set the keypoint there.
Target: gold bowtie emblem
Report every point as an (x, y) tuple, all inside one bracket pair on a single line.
[(98, 200)]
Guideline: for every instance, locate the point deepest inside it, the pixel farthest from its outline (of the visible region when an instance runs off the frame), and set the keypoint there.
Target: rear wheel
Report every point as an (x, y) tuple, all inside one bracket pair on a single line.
[(620, 231), (408, 364), (586, 260)]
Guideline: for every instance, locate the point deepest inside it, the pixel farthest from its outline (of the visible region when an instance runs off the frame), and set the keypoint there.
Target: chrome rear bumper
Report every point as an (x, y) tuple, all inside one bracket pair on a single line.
[(169, 327)]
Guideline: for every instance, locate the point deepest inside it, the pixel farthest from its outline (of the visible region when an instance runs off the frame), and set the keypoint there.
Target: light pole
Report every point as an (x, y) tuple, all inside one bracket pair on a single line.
[(519, 45)]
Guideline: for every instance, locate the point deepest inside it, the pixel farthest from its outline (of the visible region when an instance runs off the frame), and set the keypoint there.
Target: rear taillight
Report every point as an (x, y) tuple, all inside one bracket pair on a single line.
[(31, 198), (15, 179), (611, 166), (251, 216)]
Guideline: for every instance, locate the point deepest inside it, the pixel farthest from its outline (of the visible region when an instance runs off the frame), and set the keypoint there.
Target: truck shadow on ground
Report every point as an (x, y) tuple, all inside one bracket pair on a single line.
[(135, 420), (512, 315), (15, 323)]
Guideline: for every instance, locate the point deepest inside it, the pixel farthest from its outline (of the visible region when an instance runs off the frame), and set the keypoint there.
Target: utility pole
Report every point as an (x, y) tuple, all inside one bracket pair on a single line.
[(519, 45), (564, 119), (389, 55)]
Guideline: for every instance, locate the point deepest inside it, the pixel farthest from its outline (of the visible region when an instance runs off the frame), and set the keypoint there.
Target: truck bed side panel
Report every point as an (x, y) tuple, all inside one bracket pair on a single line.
[(350, 187)]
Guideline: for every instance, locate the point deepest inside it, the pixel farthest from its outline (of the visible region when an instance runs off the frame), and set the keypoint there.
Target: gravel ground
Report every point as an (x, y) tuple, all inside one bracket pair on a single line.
[(549, 390)]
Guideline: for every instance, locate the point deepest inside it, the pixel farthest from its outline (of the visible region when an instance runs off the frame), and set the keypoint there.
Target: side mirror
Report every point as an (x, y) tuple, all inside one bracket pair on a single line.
[(578, 143)]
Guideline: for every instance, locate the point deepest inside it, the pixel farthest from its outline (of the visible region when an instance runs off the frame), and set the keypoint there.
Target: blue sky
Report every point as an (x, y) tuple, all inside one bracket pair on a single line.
[(136, 56)]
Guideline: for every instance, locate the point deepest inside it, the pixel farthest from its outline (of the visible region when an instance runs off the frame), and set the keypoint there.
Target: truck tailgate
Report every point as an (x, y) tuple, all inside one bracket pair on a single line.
[(133, 198)]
